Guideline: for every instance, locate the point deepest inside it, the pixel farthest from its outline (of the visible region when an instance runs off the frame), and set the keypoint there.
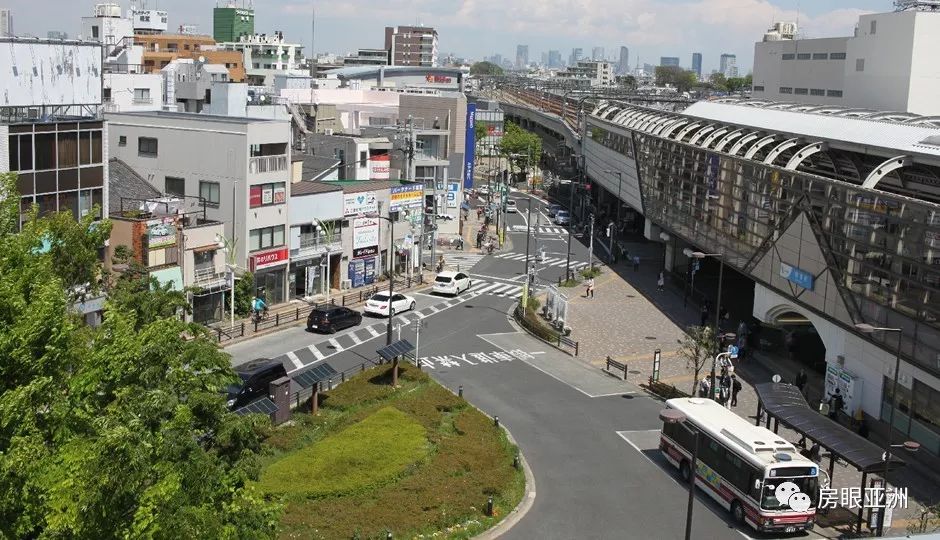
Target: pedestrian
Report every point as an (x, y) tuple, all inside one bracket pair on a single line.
[(703, 386), (800, 381), (590, 288), (661, 281), (704, 313), (725, 386), (636, 263), (836, 402), (735, 388)]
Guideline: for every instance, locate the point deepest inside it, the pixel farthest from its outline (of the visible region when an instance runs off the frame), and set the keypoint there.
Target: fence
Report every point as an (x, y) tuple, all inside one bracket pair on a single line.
[(622, 367)]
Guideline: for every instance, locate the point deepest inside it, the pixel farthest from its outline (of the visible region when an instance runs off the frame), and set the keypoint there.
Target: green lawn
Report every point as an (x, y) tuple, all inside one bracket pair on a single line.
[(415, 460)]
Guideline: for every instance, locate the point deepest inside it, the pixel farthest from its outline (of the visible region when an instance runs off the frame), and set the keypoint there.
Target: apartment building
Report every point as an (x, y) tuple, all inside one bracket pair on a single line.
[(411, 45)]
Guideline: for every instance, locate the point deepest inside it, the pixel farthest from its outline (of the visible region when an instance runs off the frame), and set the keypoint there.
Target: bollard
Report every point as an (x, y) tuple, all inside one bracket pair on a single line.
[(489, 507), (329, 384), (362, 367), (496, 421), (277, 319), (297, 315), (460, 391), (342, 377), (515, 461)]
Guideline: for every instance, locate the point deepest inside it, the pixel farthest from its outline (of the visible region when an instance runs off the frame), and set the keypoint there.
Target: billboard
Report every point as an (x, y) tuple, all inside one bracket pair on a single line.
[(360, 203), (470, 146), (34, 73), (408, 196), (379, 166), (365, 237)]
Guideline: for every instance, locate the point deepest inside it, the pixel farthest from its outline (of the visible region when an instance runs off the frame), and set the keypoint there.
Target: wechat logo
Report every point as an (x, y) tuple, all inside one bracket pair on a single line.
[(789, 494)]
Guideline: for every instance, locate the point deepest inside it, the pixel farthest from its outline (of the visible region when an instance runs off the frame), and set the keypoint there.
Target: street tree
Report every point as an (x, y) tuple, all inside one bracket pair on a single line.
[(485, 68), (116, 431), (718, 81), (522, 148), (695, 348), (675, 76)]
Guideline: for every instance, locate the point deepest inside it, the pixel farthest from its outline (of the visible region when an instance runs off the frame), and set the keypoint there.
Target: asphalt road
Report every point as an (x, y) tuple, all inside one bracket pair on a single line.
[(590, 439)]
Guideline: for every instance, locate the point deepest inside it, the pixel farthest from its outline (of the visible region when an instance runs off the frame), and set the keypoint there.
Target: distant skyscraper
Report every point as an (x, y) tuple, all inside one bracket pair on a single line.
[(697, 64), (6, 23), (554, 59), (576, 55), (728, 65), (597, 53), (649, 69), (544, 58), (623, 66), (669, 61), (522, 56)]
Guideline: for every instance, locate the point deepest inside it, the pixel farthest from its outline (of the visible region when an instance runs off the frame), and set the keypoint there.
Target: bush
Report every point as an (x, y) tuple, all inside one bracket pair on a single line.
[(535, 325), (533, 304), (570, 283), (590, 272)]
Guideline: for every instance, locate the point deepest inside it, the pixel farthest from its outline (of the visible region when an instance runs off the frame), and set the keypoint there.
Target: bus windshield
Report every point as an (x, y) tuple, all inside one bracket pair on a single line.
[(807, 484)]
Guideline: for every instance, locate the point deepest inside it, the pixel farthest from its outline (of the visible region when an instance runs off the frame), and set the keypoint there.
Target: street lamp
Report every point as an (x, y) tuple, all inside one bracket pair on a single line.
[(721, 274), (866, 328), (672, 416), (391, 277), (619, 186)]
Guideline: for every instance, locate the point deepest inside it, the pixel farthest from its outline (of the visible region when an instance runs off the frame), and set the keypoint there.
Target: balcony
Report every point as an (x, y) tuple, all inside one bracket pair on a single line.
[(320, 243), (266, 164), (143, 101), (209, 279)]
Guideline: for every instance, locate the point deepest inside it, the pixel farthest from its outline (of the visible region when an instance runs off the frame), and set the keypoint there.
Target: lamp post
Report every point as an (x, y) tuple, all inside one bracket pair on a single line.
[(672, 416), (571, 187), (869, 329), (721, 275), (391, 277), (619, 186), (224, 247)]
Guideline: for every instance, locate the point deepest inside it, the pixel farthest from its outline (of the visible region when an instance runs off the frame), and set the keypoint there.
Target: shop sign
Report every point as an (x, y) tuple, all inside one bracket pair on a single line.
[(368, 276), (379, 166), (161, 233), (437, 79), (269, 258), (357, 272), (365, 237), (453, 189), (469, 145), (408, 196), (360, 203), (795, 275)]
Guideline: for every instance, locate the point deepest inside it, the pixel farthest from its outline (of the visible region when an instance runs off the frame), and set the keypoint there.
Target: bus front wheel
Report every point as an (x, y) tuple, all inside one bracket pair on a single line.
[(737, 512), (685, 471)]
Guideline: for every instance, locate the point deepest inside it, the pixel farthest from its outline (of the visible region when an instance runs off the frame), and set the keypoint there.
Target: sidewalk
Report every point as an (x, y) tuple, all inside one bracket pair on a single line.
[(629, 319)]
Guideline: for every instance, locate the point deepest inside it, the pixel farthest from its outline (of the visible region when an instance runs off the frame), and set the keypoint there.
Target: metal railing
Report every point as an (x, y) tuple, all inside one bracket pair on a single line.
[(142, 101), (308, 241), (207, 276), (265, 164)]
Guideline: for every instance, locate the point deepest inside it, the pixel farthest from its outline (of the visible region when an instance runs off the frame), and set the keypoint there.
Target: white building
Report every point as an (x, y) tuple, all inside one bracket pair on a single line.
[(6, 23), (728, 65), (147, 21), (588, 73), (889, 64), (267, 55), (107, 25)]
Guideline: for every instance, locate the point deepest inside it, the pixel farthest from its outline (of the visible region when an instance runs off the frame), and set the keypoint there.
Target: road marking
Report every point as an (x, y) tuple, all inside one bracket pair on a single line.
[(434, 309), (316, 352), (488, 287), (335, 344), (355, 338), (293, 358), (372, 331)]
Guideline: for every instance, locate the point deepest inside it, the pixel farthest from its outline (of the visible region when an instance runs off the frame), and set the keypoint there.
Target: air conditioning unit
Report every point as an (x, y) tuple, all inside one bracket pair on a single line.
[(345, 284)]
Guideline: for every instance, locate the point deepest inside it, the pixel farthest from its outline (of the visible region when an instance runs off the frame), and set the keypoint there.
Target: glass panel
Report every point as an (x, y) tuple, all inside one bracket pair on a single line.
[(68, 149), (96, 147), (68, 179), (46, 182), (68, 202), (45, 151), (24, 184), (85, 148), (14, 144), (47, 203), (26, 152)]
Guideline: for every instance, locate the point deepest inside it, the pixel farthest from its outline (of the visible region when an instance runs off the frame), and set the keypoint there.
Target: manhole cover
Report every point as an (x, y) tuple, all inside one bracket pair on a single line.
[(651, 337)]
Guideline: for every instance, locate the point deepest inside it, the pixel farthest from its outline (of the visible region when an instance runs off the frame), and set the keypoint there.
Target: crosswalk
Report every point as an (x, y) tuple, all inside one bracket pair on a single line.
[(497, 288), (548, 261), (463, 261), (540, 230)]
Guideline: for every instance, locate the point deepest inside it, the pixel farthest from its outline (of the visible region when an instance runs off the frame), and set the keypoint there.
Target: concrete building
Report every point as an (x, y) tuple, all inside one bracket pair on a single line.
[(360, 157), (587, 73), (265, 56), (107, 26), (161, 49), (189, 84), (231, 23), (147, 21), (57, 34), (554, 59), (669, 61), (400, 78), (728, 65), (411, 45), (597, 54), (316, 238), (522, 56), (697, 64), (865, 70), (238, 167), (623, 65), (6, 23), (368, 57)]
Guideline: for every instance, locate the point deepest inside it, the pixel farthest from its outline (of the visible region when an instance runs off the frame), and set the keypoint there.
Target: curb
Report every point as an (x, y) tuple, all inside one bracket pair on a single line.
[(528, 498)]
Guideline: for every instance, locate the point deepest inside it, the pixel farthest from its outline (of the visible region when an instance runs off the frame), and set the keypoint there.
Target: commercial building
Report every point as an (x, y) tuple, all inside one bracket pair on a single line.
[(576, 55), (231, 23), (265, 56), (728, 65), (161, 49), (316, 237), (623, 66), (697, 64), (107, 26), (597, 54), (400, 78), (856, 71), (411, 45), (554, 59), (359, 157), (368, 57), (667, 61), (522, 56), (238, 168), (148, 21)]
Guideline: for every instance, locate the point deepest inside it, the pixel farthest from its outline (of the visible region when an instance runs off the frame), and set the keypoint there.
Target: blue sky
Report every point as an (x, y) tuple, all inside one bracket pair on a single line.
[(477, 28)]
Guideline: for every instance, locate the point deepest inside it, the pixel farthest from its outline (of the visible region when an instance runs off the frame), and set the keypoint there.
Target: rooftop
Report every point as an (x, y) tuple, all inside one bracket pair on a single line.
[(125, 184), (312, 187), (366, 71), (193, 116)]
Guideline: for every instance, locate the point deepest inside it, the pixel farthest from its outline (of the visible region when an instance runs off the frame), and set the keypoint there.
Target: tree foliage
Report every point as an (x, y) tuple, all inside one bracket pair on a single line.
[(696, 348), (117, 431), (485, 68), (522, 148), (675, 76), (734, 84)]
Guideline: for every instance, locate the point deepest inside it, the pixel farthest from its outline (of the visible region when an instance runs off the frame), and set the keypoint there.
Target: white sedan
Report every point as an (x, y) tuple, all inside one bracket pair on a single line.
[(379, 304), (511, 206), (451, 282)]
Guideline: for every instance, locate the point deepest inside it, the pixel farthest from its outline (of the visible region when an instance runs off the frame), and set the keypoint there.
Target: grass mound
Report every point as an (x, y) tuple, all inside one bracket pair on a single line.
[(363, 456)]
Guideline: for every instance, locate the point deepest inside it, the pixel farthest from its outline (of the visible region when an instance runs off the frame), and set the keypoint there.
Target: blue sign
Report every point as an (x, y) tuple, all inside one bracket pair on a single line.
[(470, 146), (357, 272), (795, 275), (368, 274), (733, 351)]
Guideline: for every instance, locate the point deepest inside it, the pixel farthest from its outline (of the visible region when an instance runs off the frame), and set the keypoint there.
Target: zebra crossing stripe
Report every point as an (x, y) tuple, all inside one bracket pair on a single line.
[(372, 331), (488, 287), (335, 344), (501, 290), (295, 360), (316, 352), (355, 338)]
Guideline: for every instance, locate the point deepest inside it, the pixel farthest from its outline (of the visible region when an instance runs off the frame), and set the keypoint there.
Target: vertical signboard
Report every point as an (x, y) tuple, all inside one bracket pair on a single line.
[(470, 146)]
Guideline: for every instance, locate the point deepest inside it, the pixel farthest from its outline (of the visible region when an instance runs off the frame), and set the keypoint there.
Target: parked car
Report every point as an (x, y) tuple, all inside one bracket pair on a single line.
[(255, 377), (553, 209), (511, 206), (562, 217), (378, 304), (332, 318), (449, 282)]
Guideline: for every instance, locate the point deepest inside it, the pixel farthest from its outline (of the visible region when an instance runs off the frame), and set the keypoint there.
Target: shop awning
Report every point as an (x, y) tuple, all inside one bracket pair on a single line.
[(784, 402)]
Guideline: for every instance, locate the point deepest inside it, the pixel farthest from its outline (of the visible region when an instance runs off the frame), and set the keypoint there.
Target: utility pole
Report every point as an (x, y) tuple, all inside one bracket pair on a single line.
[(528, 235), (570, 226), (591, 246)]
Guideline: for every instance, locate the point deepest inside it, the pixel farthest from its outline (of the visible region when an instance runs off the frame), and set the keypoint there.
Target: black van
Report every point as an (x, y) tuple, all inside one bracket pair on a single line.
[(332, 318), (256, 376)]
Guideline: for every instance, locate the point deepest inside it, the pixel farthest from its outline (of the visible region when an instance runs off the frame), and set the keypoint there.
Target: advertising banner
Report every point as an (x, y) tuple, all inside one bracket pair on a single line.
[(453, 191), (406, 197), (470, 146), (269, 258), (161, 233), (368, 276), (796, 275), (379, 166), (357, 272), (365, 237), (360, 203)]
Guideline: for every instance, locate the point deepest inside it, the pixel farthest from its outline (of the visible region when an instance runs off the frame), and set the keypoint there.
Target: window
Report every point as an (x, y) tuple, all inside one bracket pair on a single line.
[(122, 140), (209, 191), (801, 91), (873, 28), (265, 238), (94, 32), (789, 56), (786, 90), (803, 56), (142, 95), (820, 56), (837, 56), (817, 92), (859, 64), (147, 146), (363, 157), (758, 88), (204, 260), (175, 186), (267, 194), (834, 93)]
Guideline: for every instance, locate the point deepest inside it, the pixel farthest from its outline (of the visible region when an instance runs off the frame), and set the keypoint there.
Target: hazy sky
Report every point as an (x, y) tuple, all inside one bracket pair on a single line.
[(477, 28)]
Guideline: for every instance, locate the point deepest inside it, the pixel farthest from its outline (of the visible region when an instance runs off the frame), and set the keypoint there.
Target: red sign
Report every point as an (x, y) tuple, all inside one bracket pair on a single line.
[(254, 196), (269, 258), (440, 79)]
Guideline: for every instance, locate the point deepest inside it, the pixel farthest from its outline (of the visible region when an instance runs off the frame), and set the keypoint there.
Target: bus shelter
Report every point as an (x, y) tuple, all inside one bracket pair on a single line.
[(784, 404)]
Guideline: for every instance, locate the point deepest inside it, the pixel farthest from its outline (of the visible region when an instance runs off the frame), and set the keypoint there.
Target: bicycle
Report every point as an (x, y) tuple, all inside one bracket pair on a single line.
[(260, 316)]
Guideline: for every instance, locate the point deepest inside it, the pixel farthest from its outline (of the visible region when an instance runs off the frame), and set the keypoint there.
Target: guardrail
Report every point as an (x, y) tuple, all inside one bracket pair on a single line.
[(564, 341), (622, 367)]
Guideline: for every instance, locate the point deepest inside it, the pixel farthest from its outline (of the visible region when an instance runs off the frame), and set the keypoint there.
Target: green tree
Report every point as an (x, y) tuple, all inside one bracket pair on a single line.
[(118, 431), (479, 131), (718, 81), (521, 148), (696, 348), (673, 75), (244, 294), (485, 68), (628, 82)]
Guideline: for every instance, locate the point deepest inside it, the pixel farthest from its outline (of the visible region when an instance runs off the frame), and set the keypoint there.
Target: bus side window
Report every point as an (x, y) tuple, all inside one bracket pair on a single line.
[(755, 492)]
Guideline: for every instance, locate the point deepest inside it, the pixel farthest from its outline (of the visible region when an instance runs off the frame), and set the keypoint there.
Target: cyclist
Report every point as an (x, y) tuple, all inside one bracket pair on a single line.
[(259, 307)]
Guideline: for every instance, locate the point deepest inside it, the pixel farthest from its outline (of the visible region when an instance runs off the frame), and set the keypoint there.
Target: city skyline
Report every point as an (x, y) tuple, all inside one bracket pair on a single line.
[(647, 27)]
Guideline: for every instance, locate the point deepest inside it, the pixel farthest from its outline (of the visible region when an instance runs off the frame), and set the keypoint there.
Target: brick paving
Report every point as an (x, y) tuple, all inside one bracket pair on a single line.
[(629, 318)]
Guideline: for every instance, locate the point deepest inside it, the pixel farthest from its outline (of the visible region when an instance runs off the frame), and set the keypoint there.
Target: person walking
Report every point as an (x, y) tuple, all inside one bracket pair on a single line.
[(725, 389), (636, 263), (736, 387), (661, 281), (589, 293), (704, 313), (704, 386), (836, 403)]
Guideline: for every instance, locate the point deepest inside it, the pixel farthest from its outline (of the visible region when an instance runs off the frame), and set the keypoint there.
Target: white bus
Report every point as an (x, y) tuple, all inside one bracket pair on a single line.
[(741, 465)]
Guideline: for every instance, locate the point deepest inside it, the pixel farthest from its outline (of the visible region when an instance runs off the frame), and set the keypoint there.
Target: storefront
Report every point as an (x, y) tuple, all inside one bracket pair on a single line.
[(270, 272)]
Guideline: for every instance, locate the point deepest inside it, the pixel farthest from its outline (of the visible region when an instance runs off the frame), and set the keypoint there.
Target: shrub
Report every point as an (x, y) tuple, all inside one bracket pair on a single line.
[(590, 272), (534, 324)]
